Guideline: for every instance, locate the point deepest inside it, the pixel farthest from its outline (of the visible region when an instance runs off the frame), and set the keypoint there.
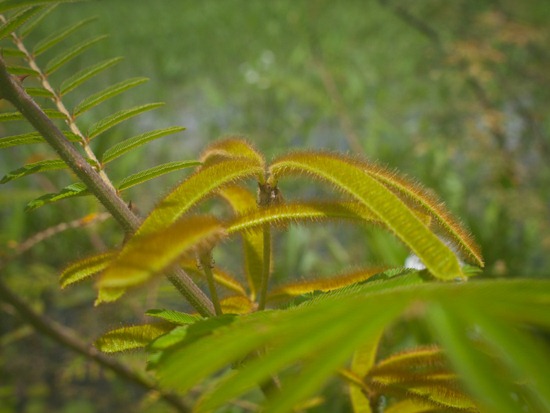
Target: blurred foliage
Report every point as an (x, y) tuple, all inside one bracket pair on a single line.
[(452, 93)]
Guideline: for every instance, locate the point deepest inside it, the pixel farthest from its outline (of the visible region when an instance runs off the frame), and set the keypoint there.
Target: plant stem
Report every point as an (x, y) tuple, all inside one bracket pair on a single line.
[(68, 338), (266, 267), (12, 91), (206, 264)]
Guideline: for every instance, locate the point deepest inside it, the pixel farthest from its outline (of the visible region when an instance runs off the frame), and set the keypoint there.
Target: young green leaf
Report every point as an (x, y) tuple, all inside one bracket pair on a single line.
[(231, 148), (67, 55), (146, 255), (32, 168), (196, 187), (85, 74), (112, 120), (414, 195), (85, 268), (107, 93), (154, 172), (131, 337), (348, 177), (127, 145), (31, 24), (312, 211)]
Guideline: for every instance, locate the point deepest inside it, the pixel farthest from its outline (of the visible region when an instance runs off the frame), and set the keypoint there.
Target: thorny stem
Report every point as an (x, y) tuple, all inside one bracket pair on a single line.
[(12, 91), (69, 339)]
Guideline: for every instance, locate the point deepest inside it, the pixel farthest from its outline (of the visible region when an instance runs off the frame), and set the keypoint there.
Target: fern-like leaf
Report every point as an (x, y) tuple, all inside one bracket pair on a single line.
[(15, 4), (86, 74), (67, 55), (35, 167), (112, 120), (23, 139), (154, 172), (107, 93), (16, 116), (70, 191), (129, 144), (17, 20), (57, 37)]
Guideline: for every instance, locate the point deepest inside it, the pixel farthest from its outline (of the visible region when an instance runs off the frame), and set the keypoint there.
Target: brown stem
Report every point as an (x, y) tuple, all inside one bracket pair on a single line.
[(68, 338)]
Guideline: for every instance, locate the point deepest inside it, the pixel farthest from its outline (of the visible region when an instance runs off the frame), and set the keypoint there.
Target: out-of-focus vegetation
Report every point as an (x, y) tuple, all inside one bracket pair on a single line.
[(454, 93)]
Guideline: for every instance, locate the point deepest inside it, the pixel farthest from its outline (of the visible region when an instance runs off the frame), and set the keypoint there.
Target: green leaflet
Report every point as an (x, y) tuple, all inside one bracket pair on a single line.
[(85, 268), (18, 19), (132, 337), (127, 145), (39, 92), (146, 255), (14, 4), (107, 93), (35, 21), (112, 120), (32, 168), (195, 188), (67, 55), (24, 139), (58, 36), (85, 74), (16, 116), (22, 71), (77, 189), (172, 316), (154, 172), (387, 207)]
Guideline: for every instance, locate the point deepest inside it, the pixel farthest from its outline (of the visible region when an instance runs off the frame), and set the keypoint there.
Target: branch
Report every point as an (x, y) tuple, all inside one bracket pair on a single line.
[(68, 338), (12, 91)]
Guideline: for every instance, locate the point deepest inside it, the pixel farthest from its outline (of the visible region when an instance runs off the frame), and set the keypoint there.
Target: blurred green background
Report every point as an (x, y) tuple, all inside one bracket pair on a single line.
[(455, 94)]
